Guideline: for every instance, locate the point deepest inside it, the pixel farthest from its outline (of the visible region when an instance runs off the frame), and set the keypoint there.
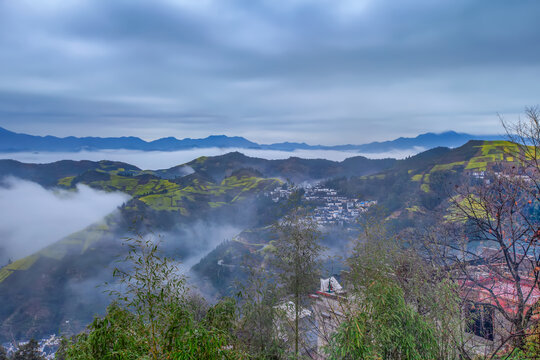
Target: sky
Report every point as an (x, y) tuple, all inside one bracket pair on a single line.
[(320, 71)]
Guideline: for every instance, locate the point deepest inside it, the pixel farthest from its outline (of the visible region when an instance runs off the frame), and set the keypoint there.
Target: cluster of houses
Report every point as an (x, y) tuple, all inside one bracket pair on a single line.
[(329, 207), (279, 193), (332, 209)]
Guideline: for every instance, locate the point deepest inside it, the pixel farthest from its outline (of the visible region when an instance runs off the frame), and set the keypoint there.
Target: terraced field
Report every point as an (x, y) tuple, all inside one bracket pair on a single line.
[(166, 195), (486, 154), (158, 194), (19, 265)]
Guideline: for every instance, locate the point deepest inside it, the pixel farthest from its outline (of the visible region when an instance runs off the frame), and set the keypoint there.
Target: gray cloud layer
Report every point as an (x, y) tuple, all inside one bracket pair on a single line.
[(33, 217), (322, 71), (154, 160)]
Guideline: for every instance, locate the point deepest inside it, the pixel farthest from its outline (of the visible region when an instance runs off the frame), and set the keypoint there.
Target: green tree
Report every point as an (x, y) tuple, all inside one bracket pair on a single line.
[(118, 335), (384, 327), (210, 338), (152, 288), (297, 260), (154, 317), (383, 262)]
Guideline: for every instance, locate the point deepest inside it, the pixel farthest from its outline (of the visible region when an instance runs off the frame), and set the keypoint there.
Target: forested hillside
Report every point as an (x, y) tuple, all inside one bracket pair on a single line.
[(189, 204)]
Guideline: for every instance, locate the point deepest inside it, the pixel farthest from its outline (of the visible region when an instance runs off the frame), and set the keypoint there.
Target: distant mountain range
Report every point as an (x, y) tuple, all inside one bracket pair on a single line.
[(15, 142)]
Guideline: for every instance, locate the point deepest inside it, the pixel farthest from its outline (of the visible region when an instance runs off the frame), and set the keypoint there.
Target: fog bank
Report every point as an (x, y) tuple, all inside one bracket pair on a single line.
[(153, 160), (34, 217)]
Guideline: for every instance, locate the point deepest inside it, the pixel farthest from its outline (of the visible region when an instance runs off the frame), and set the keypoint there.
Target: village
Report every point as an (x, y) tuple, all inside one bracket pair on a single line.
[(329, 208)]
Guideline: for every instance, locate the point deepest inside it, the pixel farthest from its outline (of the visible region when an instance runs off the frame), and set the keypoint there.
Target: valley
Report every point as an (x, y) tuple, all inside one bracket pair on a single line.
[(54, 290)]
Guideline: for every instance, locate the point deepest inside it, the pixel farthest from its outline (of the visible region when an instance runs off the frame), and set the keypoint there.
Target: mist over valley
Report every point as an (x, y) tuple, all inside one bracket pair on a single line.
[(269, 180), (65, 221)]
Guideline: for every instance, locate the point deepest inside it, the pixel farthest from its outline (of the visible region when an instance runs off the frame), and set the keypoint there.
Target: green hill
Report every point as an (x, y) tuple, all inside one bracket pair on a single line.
[(407, 192), (422, 182), (57, 284), (54, 289)]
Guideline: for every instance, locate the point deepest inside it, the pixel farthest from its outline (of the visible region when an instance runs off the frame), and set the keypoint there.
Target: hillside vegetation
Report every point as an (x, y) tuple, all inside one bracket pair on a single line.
[(37, 292)]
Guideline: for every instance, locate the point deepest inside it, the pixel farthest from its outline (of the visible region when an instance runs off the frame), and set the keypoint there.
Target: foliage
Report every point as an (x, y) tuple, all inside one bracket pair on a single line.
[(151, 288), (122, 335), (118, 335), (297, 252), (380, 263), (384, 327), (531, 348), (153, 316), (494, 231), (210, 338), (488, 241)]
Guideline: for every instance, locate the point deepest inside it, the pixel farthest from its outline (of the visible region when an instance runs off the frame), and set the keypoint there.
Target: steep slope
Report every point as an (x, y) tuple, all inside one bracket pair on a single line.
[(41, 292), (423, 181), (407, 193), (54, 289)]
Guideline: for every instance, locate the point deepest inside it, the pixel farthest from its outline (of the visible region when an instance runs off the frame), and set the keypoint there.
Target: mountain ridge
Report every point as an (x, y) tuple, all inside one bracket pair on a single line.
[(19, 142)]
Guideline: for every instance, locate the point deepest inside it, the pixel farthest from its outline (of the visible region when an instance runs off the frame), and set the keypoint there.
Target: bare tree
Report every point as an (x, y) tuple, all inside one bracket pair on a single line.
[(525, 135), (489, 238), (257, 300), (297, 252)]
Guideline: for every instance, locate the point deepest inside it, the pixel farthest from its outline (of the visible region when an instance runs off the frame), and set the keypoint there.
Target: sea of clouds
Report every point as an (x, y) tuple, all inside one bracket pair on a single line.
[(153, 160)]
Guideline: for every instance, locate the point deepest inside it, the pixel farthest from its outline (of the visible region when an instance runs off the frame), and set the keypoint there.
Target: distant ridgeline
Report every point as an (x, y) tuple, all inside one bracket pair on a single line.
[(54, 289), (14, 142)]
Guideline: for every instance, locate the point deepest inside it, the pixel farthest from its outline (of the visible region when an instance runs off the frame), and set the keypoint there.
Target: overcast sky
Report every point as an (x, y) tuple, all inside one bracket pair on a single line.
[(320, 71)]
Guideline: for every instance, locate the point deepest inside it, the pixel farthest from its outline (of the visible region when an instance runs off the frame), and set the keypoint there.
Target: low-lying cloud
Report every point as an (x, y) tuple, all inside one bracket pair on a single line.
[(34, 217), (198, 239), (153, 160)]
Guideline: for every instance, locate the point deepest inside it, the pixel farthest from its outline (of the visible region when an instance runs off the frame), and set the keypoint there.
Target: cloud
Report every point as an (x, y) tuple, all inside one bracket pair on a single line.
[(154, 160), (319, 71), (195, 240), (33, 217)]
